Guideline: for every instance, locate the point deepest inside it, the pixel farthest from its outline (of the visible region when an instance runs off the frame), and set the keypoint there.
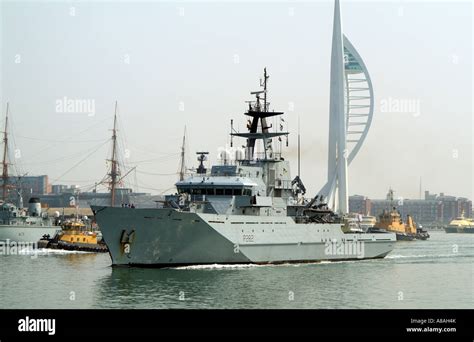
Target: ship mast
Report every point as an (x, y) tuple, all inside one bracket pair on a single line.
[(182, 166), (265, 78), (260, 115), (5, 162), (299, 149), (113, 169), (390, 198)]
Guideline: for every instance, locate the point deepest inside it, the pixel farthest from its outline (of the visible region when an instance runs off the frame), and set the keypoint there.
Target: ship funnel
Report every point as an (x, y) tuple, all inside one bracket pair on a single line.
[(34, 206)]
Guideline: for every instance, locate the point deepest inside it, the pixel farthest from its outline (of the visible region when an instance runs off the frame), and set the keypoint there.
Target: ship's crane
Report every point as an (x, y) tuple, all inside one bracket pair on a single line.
[(300, 188)]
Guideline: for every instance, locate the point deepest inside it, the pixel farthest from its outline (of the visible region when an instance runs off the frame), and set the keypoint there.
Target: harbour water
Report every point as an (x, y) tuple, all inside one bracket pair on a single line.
[(437, 273)]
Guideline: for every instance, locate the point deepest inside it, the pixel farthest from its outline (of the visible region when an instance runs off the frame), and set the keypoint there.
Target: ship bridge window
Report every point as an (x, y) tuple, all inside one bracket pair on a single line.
[(229, 192), (210, 191), (247, 192)]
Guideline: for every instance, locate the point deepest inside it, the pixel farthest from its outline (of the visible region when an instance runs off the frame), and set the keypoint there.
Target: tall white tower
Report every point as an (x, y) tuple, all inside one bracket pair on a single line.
[(351, 109)]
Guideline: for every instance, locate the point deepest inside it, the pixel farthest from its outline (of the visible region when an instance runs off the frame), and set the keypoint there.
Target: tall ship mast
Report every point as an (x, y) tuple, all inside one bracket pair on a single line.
[(245, 210), (182, 164), (5, 159), (114, 171)]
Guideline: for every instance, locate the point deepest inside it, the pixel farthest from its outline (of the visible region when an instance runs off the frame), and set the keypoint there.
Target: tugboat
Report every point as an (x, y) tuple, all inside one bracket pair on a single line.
[(391, 221), (460, 224), (74, 236)]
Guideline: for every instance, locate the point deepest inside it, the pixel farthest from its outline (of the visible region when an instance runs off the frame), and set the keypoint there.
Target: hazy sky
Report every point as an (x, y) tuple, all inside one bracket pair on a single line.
[(171, 64)]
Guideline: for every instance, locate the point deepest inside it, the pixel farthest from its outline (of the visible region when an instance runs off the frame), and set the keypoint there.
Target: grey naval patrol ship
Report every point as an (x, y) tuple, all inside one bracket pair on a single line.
[(18, 224), (250, 211), (21, 225)]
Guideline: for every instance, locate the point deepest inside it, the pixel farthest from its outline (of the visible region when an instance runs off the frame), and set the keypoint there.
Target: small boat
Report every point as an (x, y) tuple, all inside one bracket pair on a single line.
[(74, 236), (460, 224), (422, 234), (391, 221), (367, 222)]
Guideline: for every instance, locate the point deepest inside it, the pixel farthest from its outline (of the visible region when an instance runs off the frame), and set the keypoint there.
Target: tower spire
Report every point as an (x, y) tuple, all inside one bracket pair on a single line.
[(337, 112), (351, 108)]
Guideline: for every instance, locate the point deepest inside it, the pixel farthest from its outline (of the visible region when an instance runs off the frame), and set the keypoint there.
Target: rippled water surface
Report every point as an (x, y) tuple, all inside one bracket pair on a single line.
[(438, 273)]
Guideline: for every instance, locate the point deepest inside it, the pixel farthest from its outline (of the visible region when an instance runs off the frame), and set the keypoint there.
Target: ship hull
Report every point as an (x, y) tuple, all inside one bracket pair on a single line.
[(469, 230), (25, 234), (405, 237), (402, 236), (166, 237)]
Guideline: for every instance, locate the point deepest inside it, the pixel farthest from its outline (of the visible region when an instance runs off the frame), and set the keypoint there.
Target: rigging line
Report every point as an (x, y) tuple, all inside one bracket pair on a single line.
[(126, 174), (151, 187), (87, 186), (121, 127), (102, 185), (168, 158), (122, 142), (157, 174), (122, 156), (18, 168), (38, 154), (58, 141), (65, 137), (87, 128), (60, 159), (161, 193), (161, 190), (143, 150), (77, 181), (147, 186), (75, 165), (136, 181)]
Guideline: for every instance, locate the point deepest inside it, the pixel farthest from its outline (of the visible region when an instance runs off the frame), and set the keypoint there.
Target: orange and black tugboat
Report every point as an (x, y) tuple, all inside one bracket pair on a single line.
[(391, 221), (74, 236)]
